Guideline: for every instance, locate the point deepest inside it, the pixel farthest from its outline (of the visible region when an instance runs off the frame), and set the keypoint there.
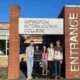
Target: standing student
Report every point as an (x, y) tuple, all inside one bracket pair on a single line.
[(51, 60), (58, 57), (30, 54), (37, 60), (44, 60)]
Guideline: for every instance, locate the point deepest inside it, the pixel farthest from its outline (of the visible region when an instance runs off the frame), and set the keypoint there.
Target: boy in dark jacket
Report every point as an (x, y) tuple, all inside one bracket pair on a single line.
[(37, 60)]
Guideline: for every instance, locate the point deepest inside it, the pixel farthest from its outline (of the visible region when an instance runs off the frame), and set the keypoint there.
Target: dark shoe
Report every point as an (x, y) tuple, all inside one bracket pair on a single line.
[(55, 78), (59, 78), (51, 77)]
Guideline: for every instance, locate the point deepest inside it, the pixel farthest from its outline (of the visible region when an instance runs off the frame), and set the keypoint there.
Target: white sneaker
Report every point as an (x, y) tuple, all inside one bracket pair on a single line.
[(27, 79), (30, 78)]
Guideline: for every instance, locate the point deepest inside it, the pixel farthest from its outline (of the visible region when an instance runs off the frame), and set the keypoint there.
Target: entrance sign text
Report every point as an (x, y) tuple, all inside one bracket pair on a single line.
[(74, 48)]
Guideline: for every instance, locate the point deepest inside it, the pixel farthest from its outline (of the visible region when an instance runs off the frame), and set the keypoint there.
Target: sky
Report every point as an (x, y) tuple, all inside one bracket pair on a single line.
[(34, 8)]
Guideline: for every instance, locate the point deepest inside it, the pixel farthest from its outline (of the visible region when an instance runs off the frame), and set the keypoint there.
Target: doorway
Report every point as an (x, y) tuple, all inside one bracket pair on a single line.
[(40, 40)]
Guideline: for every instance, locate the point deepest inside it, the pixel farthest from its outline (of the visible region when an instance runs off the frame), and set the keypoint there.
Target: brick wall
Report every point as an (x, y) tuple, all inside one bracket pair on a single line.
[(4, 25), (3, 61), (14, 50), (72, 41)]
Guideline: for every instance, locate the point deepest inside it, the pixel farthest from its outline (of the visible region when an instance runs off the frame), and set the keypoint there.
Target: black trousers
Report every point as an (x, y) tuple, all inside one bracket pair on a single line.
[(51, 68), (36, 68)]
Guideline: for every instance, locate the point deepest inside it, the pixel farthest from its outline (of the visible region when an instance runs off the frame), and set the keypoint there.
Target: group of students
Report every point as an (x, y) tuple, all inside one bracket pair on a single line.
[(49, 58)]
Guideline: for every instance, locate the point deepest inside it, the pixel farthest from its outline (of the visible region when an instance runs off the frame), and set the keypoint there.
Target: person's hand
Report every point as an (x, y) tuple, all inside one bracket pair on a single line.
[(61, 62), (40, 63)]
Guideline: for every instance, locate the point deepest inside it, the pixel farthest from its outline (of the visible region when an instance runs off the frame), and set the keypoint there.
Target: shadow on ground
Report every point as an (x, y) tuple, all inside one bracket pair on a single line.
[(4, 75), (23, 72)]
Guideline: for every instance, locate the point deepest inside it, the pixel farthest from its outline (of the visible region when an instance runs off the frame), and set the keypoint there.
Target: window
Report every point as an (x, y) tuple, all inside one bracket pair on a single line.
[(4, 45)]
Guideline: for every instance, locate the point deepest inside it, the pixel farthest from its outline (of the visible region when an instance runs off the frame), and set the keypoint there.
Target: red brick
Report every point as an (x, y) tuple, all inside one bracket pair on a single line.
[(70, 74), (13, 68)]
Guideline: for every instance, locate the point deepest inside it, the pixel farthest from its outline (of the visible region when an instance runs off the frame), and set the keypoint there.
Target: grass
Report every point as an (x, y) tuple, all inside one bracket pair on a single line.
[(3, 75)]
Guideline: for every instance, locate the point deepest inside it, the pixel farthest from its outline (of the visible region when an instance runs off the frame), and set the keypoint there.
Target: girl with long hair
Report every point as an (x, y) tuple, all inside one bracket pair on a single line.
[(44, 60)]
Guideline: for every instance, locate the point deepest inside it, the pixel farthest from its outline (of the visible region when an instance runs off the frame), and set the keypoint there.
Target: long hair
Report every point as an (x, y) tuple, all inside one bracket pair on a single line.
[(45, 50)]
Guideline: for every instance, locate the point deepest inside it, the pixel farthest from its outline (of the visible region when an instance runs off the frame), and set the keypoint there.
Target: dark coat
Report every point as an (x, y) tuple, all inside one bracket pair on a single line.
[(37, 56)]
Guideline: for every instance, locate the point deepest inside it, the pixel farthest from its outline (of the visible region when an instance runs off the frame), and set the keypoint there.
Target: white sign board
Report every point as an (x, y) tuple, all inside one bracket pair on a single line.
[(40, 26)]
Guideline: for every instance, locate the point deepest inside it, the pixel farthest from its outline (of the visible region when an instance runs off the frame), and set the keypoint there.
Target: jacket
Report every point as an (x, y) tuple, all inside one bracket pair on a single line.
[(30, 51), (58, 53), (37, 56), (50, 54), (44, 57)]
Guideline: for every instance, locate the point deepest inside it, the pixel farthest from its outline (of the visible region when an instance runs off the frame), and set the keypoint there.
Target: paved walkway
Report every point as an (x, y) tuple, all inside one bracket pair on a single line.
[(22, 76)]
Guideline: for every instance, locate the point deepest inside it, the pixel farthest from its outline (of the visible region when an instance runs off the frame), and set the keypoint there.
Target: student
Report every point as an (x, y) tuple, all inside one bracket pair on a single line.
[(37, 60), (44, 60), (51, 60), (30, 54), (58, 57)]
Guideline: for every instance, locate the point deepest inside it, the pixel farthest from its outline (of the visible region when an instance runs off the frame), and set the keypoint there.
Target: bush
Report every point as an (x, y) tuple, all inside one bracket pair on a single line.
[(3, 75)]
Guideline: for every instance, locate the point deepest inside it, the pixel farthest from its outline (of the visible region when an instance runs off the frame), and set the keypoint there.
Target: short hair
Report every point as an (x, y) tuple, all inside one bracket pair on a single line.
[(22, 59), (51, 43), (43, 45), (37, 45), (57, 40), (31, 41)]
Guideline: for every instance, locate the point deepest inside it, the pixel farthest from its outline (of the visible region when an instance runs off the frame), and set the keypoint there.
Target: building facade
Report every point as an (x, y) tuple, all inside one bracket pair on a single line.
[(10, 41)]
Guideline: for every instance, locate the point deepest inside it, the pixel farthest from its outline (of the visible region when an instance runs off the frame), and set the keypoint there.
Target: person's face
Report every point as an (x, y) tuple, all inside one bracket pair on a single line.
[(37, 47), (57, 43), (51, 46), (32, 43), (44, 47)]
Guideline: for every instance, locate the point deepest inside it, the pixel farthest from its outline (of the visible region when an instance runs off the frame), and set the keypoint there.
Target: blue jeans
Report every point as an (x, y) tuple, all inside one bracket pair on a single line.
[(57, 67), (44, 63), (29, 66)]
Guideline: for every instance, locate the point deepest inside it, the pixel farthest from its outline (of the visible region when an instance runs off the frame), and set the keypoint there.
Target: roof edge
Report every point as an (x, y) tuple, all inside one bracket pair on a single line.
[(4, 22), (72, 6)]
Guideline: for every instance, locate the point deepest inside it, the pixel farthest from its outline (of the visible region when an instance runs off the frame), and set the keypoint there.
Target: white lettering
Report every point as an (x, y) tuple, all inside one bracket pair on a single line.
[(74, 45), (75, 23), (72, 16), (73, 31), (74, 38), (75, 67), (74, 60), (72, 53)]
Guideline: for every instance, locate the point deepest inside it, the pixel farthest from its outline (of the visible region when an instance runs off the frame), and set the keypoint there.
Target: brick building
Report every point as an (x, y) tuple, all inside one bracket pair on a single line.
[(9, 32)]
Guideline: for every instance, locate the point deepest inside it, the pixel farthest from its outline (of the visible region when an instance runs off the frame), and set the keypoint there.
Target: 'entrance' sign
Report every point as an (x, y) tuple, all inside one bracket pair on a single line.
[(40, 26)]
